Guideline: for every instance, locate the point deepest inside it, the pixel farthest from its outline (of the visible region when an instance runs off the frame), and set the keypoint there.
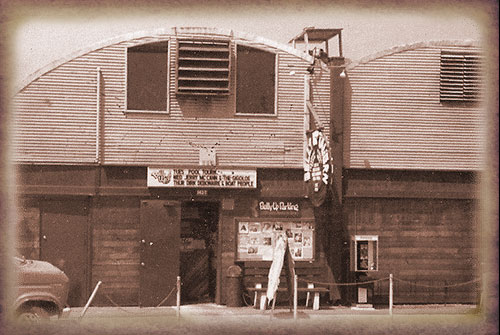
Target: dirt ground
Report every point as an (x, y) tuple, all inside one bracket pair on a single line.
[(221, 320)]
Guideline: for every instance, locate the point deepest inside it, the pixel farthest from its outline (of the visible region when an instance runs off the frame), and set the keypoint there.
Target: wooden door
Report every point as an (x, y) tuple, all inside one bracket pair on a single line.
[(160, 243), (64, 243)]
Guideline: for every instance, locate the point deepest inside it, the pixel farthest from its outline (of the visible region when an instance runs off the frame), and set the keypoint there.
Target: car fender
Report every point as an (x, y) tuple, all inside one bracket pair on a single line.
[(38, 296)]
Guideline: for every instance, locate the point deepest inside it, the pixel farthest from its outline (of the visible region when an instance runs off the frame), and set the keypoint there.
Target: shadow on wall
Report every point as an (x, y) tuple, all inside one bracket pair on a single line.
[(333, 235)]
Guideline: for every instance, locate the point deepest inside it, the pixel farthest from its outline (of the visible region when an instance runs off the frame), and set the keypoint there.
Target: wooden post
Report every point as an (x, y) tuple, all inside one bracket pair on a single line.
[(290, 275), (390, 294), (445, 292), (295, 297), (308, 296), (90, 299), (274, 304), (340, 45), (256, 295), (178, 296), (306, 121)]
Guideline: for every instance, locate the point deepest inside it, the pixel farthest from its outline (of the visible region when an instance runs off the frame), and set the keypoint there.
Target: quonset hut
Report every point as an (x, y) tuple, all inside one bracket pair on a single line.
[(412, 155), (139, 159)]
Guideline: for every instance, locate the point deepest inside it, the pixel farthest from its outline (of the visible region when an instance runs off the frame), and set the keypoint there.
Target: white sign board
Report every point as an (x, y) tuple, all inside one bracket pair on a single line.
[(201, 178), (275, 270)]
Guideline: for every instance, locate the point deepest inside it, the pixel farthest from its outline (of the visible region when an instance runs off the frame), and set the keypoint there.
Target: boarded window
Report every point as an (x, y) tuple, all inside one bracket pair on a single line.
[(203, 67), (255, 86), (460, 77), (147, 77)]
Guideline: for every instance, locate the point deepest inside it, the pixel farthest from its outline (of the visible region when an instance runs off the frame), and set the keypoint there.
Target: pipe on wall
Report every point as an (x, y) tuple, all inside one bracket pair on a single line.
[(98, 117)]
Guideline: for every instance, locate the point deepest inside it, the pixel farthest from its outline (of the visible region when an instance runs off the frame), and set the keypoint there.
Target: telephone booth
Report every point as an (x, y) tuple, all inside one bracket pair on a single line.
[(364, 260)]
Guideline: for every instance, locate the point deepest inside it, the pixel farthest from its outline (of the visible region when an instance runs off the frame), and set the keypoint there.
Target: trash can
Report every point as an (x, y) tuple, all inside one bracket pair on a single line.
[(233, 291)]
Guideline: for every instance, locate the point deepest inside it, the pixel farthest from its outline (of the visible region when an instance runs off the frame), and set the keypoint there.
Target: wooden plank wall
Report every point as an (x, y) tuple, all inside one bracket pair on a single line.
[(116, 250), (28, 231), (431, 242)]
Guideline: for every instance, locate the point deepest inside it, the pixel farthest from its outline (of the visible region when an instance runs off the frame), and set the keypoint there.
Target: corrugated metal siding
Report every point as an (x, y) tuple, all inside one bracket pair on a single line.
[(55, 116), (398, 122), (166, 139)]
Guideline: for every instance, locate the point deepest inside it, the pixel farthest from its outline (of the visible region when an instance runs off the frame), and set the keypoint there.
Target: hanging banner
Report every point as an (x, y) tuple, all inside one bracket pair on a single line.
[(201, 178), (317, 167)]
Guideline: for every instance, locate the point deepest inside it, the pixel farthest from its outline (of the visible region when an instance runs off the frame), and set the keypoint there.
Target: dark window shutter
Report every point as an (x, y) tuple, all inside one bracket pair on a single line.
[(460, 77), (203, 67)]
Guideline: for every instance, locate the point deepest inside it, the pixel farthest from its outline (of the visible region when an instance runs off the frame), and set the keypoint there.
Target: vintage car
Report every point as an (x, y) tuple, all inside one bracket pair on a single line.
[(42, 290)]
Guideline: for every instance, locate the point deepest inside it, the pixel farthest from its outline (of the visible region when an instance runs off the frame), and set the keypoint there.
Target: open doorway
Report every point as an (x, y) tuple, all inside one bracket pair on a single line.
[(198, 268)]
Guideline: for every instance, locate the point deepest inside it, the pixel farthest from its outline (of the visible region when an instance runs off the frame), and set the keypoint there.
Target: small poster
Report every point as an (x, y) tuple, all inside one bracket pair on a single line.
[(253, 250), (243, 227), (307, 239), (267, 227), (254, 227), (307, 253), (243, 245), (243, 241), (297, 253), (267, 247)]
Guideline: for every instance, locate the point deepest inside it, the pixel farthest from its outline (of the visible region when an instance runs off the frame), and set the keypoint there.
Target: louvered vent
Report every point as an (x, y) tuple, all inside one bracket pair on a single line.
[(460, 77), (203, 67)]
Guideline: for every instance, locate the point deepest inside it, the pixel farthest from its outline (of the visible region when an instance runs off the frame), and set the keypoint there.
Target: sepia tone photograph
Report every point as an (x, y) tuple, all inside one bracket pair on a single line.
[(137, 138)]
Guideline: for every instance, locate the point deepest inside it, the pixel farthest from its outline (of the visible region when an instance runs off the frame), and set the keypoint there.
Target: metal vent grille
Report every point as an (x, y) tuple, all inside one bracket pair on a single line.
[(460, 77), (203, 67)]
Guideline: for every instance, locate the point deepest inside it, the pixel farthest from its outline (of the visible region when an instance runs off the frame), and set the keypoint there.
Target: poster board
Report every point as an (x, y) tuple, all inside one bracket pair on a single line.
[(256, 238)]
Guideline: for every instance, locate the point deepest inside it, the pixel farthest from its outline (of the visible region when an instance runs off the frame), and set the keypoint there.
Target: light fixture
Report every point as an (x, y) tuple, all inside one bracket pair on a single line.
[(342, 74)]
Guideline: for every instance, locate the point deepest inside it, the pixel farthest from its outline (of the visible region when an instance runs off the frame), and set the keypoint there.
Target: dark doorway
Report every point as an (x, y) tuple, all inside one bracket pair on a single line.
[(199, 221), (64, 243), (160, 235)]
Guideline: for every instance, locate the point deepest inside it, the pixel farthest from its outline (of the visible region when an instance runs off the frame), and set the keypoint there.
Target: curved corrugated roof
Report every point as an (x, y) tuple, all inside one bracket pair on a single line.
[(161, 31), (402, 48)]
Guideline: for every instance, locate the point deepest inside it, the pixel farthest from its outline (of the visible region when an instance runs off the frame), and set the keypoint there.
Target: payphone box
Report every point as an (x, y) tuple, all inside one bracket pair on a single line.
[(364, 253)]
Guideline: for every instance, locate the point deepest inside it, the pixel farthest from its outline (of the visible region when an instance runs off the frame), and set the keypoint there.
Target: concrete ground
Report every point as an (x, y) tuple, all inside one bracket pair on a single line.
[(217, 319)]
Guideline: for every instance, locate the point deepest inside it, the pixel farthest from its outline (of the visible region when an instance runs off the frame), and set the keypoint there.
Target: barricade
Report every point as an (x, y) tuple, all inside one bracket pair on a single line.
[(391, 287), (177, 288)]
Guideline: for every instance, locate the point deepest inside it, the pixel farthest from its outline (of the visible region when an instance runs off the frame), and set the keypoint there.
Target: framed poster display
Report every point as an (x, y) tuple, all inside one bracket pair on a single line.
[(256, 238)]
